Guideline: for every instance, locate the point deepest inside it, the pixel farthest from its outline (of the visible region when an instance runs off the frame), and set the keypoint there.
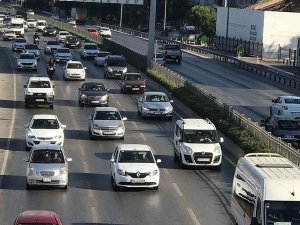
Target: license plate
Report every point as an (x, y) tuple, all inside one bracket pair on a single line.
[(157, 112), (39, 100), (46, 179), (296, 113), (289, 136), (138, 181), (135, 89), (94, 102), (44, 142), (203, 159), (108, 132), (73, 45), (173, 56)]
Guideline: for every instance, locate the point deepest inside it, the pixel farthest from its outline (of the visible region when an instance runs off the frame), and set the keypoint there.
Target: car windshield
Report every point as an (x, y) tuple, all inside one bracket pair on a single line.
[(47, 156), (27, 56), (20, 40), (292, 100), (9, 32), (92, 30), (16, 25), (172, 47), (72, 39), (104, 28), (156, 98), (52, 43), (282, 212), (30, 20), (116, 62), (40, 23), (107, 115), (39, 84), (200, 136), (35, 47), (92, 47), (45, 124), (103, 54), (133, 77), (136, 157), (63, 50), (74, 66), (93, 87), (49, 28), (64, 33)]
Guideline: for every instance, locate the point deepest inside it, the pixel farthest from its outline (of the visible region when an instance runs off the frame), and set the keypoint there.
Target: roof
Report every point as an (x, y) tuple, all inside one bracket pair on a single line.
[(38, 78), (89, 43), (47, 146), (106, 109), (154, 93), (34, 216), (44, 116), (287, 96), (193, 124), (115, 57), (71, 61), (130, 147)]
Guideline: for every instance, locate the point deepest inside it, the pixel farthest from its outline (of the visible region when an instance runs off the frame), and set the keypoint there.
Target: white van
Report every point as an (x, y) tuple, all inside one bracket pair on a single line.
[(265, 191), (196, 143), (40, 25), (17, 25)]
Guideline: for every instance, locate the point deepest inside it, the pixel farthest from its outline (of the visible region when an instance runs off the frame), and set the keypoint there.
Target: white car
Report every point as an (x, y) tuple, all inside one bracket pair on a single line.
[(62, 55), (286, 105), (134, 165), (18, 44), (61, 36), (44, 129), (104, 32), (155, 104), (26, 61), (159, 58), (71, 21), (30, 12), (9, 35), (106, 122), (51, 46), (40, 25), (47, 165), (99, 60), (31, 23), (74, 70), (89, 50)]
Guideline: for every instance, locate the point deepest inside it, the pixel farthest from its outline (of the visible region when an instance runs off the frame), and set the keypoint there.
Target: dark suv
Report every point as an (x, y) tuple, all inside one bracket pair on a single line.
[(115, 66), (133, 82), (72, 42), (286, 127)]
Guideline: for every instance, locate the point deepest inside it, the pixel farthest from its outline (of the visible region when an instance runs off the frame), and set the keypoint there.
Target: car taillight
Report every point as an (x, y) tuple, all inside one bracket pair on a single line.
[(276, 125), (284, 107)]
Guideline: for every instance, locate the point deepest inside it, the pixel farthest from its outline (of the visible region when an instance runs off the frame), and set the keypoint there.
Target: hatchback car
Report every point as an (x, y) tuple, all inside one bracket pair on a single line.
[(134, 165), (47, 165), (34, 49), (106, 122), (72, 42), (61, 36), (49, 31), (74, 70), (89, 50), (105, 32), (133, 82), (38, 217), (31, 23), (100, 58), (40, 25), (26, 61), (93, 93), (115, 66), (18, 44), (51, 46), (44, 129), (92, 31), (9, 35), (62, 55), (286, 105), (155, 104)]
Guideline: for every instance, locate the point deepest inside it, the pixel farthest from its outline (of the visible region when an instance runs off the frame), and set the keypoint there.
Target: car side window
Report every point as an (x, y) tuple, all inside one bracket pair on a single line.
[(116, 154)]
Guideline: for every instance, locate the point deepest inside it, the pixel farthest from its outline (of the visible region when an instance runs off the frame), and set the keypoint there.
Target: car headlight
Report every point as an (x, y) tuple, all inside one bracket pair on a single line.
[(58, 136), (35, 63), (37, 53), (51, 93), (31, 171), (109, 69), (30, 135), (104, 97), (122, 172), (120, 129), (82, 72), (96, 127), (83, 96), (48, 48), (63, 170), (153, 173), (169, 108), (68, 72), (77, 43), (84, 51), (125, 70), (19, 63), (143, 86), (146, 109), (127, 85), (187, 150), (29, 93), (217, 149)]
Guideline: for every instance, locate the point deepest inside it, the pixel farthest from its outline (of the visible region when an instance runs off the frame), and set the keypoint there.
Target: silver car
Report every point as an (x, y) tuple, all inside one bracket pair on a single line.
[(155, 104), (47, 165), (62, 55)]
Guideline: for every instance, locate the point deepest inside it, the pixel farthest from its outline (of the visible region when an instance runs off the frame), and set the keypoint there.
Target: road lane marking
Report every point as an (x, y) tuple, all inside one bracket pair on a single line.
[(134, 124), (143, 136), (229, 160), (166, 171), (175, 186), (95, 215), (193, 216)]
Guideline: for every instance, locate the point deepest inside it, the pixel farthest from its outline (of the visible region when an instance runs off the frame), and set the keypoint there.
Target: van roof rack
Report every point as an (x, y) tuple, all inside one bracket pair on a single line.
[(274, 165)]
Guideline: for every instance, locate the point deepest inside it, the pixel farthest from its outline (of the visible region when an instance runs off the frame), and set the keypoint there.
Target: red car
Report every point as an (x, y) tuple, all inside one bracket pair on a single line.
[(40, 217), (92, 31)]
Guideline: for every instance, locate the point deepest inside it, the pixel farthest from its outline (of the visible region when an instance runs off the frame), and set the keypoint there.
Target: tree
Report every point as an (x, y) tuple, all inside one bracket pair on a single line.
[(204, 18)]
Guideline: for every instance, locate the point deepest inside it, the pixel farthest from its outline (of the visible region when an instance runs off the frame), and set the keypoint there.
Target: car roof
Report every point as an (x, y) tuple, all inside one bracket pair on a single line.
[(285, 117), (71, 61), (154, 93), (47, 146), (106, 109), (116, 57), (194, 124), (37, 216), (38, 78), (89, 43), (44, 116), (137, 147), (26, 53), (287, 96)]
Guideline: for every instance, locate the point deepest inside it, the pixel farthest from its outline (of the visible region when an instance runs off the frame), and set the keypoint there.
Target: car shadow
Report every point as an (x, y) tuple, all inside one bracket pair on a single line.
[(76, 134), (104, 155), (14, 144), (63, 102), (10, 104), (12, 182)]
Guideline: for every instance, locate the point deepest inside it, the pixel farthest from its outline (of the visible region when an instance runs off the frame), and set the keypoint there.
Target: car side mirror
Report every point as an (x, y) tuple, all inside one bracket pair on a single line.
[(171, 101), (69, 159), (221, 140), (112, 160), (273, 100), (25, 86), (158, 161), (54, 86), (26, 159), (108, 90), (124, 118), (84, 68), (26, 125), (63, 126)]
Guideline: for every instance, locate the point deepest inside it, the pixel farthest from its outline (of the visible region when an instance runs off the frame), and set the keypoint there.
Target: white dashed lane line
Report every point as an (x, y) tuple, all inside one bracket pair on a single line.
[(178, 192), (193, 216)]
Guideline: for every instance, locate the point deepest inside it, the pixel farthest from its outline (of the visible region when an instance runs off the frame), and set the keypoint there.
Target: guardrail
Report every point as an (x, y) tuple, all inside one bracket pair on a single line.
[(241, 120)]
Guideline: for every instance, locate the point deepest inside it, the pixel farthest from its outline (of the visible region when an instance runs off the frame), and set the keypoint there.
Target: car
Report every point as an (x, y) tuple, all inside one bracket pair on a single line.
[(26, 61), (51, 47), (155, 104), (39, 91), (74, 70), (9, 35), (89, 50), (92, 31), (61, 36), (19, 16), (62, 55), (55, 17), (71, 21), (159, 58), (72, 42), (29, 12), (286, 105), (47, 165), (31, 23), (31, 48), (40, 25), (115, 66), (134, 165), (38, 217), (104, 32), (106, 122), (49, 31), (133, 82), (286, 127), (172, 52), (100, 58), (44, 129), (93, 93), (18, 44)]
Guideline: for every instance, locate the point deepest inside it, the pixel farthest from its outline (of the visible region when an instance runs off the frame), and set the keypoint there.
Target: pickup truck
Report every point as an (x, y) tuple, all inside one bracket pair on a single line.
[(172, 52)]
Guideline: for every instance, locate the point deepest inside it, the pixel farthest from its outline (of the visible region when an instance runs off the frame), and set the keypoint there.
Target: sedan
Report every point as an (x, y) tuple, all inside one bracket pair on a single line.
[(88, 50), (92, 31), (100, 58), (47, 165), (34, 49), (93, 93), (74, 70), (18, 44), (38, 217), (133, 82), (61, 36), (134, 165), (9, 35), (26, 61), (106, 122), (49, 31), (286, 105), (105, 32), (51, 47), (44, 129), (72, 42), (155, 104), (62, 55)]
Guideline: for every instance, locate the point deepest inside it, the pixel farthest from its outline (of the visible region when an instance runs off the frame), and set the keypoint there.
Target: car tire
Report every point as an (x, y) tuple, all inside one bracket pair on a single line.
[(92, 137), (271, 112), (80, 103), (27, 147), (65, 187), (141, 115), (116, 187), (155, 188), (51, 106), (64, 77), (28, 187), (182, 166), (175, 155)]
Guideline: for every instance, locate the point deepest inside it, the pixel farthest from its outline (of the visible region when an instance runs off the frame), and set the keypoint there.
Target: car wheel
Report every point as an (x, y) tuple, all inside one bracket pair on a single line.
[(65, 187), (28, 187), (175, 155), (64, 77), (80, 103), (92, 137), (116, 187), (141, 115), (271, 111), (155, 188), (51, 106), (27, 147), (181, 162)]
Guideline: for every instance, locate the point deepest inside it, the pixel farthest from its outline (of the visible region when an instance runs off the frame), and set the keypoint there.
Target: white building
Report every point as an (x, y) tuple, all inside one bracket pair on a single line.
[(273, 29)]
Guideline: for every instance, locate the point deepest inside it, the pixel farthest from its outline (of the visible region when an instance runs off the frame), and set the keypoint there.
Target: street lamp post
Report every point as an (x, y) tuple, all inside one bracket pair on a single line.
[(151, 35), (165, 17), (121, 15), (227, 26)]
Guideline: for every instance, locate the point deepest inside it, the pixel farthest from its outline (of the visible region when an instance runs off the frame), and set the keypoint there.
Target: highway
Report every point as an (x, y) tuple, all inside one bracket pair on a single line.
[(185, 196)]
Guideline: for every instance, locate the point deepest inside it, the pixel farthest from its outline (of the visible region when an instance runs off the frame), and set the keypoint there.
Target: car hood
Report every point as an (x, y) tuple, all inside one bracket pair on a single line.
[(91, 50), (27, 60), (46, 132), (135, 82), (49, 30), (138, 167), (63, 54), (119, 68), (53, 46), (73, 41), (94, 93), (62, 36), (19, 44), (157, 105), (108, 123), (39, 90), (100, 58), (72, 71), (207, 147), (47, 166)]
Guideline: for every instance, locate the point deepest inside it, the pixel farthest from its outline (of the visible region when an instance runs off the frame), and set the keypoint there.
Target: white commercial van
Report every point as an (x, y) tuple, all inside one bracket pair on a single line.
[(17, 25), (265, 191), (40, 25)]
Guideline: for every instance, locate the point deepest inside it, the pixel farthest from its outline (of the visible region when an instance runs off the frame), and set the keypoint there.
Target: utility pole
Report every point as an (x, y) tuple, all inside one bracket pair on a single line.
[(227, 25), (151, 35), (121, 15), (165, 17)]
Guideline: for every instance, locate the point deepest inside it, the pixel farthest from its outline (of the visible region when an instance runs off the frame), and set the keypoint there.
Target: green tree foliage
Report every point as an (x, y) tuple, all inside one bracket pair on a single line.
[(204, 18)]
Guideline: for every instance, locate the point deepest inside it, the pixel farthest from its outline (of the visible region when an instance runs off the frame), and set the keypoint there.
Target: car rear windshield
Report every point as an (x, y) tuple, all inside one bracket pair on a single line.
[(133, 77), (104, 28), (156, 98), (47, 156), (52, 43), (135, 157), (64, 33), (93, 87), (200, 136), (45, 124), (116, 62), (39, 84), (20, 40), (172, 47), (292, 100), (288, 124), (107, 115), (63, 50), (103, 54), (92, 47), (35, 47), (40, 23), (74, 66), (27, 56)]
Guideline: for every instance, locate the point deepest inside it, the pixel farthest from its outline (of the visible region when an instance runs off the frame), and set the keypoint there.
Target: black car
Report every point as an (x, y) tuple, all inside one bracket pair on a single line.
[(72, 42), (49, 31), (93, 93), (133, 82), (286, 127)]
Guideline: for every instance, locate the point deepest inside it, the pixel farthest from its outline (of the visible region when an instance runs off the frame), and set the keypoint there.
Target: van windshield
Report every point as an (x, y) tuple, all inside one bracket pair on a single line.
[(279, 212), (200, 136)]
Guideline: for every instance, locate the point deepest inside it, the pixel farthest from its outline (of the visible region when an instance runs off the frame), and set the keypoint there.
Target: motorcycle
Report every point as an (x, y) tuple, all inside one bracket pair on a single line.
[(36, 41), (51, 71)]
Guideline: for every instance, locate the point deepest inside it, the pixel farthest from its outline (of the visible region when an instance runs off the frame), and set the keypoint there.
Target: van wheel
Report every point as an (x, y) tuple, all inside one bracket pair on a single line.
[(155, 188), (181, 162), (175, 155)]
